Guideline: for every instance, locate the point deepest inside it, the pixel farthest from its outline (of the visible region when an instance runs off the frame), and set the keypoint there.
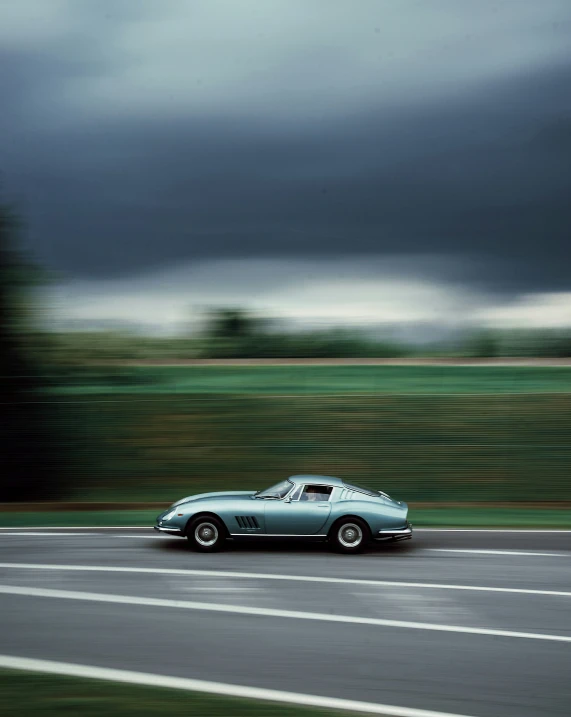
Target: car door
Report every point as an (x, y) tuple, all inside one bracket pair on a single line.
[(305, 513)]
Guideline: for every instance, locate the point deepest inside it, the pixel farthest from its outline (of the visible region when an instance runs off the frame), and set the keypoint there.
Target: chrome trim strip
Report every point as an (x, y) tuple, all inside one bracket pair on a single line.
[(399, 531), (277, 535), (168, 530)]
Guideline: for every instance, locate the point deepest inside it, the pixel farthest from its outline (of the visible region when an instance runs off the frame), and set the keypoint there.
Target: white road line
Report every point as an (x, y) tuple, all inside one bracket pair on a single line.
[(273, 576), (533, 531), (218, 588), (161, 536), (216, 688), (496, 552), (271, 612), (79, 527), (51, 535)]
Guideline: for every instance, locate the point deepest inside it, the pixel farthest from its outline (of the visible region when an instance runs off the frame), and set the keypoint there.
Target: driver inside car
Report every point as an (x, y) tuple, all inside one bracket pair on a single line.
[(313, 493)]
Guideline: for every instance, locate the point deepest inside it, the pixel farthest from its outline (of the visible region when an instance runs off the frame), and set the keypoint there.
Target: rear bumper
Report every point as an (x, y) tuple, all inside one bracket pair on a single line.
[(170, 531), (399, 534)]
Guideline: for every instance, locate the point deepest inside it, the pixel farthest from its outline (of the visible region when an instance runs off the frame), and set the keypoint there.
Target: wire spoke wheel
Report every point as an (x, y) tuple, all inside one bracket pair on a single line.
[(206, 534), (350, 535)]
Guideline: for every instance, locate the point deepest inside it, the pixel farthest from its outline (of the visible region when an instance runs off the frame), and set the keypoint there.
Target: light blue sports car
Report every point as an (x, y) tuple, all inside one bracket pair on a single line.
[(303, 506)]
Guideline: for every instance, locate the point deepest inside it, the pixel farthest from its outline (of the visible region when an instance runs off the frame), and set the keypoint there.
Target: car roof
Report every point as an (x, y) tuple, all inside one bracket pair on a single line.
[(321, 480)]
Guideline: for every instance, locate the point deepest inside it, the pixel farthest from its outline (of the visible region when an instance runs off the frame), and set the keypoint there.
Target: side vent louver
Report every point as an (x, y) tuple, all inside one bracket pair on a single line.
[(247, 521)]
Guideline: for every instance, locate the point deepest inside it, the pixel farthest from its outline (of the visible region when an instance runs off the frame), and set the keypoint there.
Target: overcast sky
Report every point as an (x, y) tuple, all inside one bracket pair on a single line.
[(370, 160)]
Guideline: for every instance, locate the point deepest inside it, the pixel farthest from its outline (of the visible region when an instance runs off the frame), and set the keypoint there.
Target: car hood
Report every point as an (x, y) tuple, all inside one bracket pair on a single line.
[(214, 496)]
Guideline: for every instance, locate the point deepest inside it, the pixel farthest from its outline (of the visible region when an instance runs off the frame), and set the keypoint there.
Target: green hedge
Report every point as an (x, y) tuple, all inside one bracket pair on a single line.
[(511, 447)]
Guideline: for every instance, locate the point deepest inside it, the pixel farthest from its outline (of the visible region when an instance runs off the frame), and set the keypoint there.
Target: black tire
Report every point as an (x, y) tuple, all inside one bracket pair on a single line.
[(206, 534), (349, 535)]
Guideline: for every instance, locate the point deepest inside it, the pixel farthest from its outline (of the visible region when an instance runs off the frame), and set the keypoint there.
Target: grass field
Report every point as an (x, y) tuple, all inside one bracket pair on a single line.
[(283, 379), (29, 694), (421, 433), (468, 517), (435, 447)]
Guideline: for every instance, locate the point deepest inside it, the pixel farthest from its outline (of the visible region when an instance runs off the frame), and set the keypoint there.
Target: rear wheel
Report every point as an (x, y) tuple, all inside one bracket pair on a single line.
[(206, 534), (349, 535)]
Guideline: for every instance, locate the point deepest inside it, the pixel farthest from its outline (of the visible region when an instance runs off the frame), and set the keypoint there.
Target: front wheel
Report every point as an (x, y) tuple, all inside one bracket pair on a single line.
[(206, 534), (349, 535)]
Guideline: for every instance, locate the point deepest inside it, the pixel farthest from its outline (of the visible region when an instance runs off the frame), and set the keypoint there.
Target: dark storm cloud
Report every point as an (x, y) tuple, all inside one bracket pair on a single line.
[(482, 172)]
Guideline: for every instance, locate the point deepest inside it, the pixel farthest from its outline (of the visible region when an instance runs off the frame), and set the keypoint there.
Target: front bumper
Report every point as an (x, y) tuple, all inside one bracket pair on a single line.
[(398, 534), (170, 531)]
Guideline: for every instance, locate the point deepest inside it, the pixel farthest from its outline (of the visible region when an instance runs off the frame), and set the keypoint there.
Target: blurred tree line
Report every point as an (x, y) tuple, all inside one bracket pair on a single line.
[(235, 334), (518, 343), (228, 334)]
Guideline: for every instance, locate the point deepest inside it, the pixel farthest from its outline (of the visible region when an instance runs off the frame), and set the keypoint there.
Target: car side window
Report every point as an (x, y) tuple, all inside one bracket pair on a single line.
[(316, 492)]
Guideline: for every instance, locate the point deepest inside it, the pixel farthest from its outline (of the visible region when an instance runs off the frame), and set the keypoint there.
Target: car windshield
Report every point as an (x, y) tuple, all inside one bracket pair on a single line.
[(280, 490)]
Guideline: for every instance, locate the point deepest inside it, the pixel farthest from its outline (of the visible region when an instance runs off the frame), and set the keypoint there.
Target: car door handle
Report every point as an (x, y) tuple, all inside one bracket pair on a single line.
[(323, 506)]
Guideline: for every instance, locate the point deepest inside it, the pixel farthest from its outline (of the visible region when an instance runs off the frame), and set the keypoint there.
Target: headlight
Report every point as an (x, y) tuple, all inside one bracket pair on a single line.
[(170, 514)]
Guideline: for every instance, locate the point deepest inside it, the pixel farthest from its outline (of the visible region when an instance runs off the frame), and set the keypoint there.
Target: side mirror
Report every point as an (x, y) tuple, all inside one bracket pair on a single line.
[(287, 500)]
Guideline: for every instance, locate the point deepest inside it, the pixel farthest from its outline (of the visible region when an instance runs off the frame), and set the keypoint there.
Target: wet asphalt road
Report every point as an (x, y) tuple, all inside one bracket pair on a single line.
[(404, 665)]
